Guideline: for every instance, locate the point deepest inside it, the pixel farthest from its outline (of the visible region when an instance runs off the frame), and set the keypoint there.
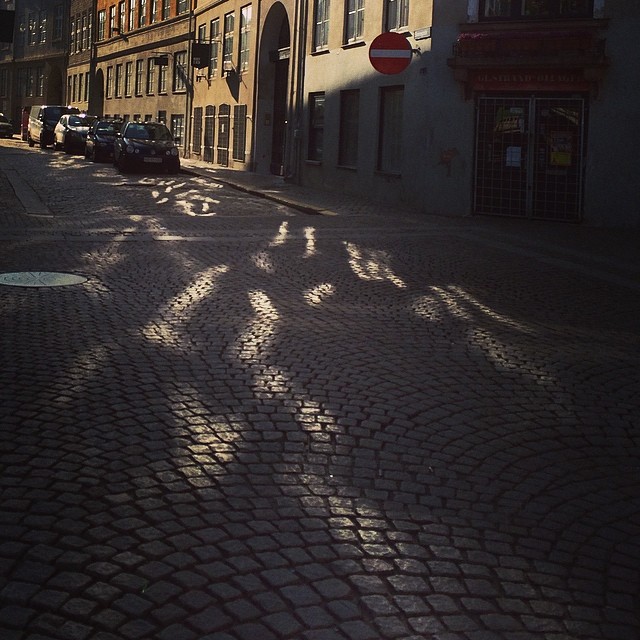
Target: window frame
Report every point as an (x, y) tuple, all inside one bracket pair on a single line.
[(389, 152), (150, 88), (396, 14), (353, 20), (315, 138), (348, 132), (245, 36), (321, 24), (214, 39), (517, 10), (180, 79)]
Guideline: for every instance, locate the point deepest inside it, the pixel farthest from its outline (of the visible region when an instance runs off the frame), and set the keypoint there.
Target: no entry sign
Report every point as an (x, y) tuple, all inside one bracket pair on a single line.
[(390, 53)]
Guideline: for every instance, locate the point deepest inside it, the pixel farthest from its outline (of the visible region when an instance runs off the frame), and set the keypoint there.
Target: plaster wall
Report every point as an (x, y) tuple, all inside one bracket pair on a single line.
[(612, 188)]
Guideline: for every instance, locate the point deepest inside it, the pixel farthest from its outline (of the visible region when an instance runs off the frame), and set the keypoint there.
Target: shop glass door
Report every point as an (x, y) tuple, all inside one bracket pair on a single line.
[(529, 157)]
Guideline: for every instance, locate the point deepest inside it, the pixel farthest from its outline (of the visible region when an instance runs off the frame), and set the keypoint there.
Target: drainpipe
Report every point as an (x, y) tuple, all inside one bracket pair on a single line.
[(186, 146), (297, 93), (256, 84)]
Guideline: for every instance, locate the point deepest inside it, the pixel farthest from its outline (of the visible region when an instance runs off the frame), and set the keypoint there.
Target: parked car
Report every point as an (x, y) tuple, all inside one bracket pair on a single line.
[(100, 139), (145, 145), (6, 126), (71, 132), (42, 121)]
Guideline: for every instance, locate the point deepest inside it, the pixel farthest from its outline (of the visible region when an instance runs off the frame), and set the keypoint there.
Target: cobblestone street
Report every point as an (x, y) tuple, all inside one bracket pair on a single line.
[(255, 423)]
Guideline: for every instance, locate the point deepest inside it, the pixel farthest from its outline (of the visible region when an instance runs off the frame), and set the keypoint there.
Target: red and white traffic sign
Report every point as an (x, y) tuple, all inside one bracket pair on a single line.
[(390, 53)]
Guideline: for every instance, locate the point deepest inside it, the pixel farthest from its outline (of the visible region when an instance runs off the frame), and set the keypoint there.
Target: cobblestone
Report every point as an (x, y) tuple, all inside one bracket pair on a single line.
[(260, 423)]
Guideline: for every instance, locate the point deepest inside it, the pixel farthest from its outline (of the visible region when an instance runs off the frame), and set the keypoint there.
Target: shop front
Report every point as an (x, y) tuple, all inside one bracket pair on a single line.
[(532, 92)]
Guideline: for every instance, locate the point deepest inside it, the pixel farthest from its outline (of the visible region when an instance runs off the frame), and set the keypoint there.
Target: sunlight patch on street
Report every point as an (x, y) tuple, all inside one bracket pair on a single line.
[(319, 293), (372, 265), (169, 328)]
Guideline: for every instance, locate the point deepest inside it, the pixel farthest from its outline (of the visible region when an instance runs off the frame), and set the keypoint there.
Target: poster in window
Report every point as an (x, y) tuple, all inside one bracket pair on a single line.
[(560, 149)]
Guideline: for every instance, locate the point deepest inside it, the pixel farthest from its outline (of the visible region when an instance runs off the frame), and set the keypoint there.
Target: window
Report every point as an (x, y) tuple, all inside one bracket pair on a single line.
[(321, 24), (166, 9), (316, 126), (396, 14), (535, 9), (214, 37), (153, 16), (84, 40), (72, 36), (122, 12), (109, 88), (162, 78), (4, 82), (86, 86), (202, 33), (349, 120), (128, 78), (118, 81), (180, 71), (58, 19), (227, 52), (42, 27), (78, 34), (245, 28), (390, 129), (182, 7), (32, 28), (162, 117), (112, 20), (197, 130), (239, 131), (132, 15), (39, 82), (139, 76), (80, 87), (151, 76), (354, 20), (142, 13), (177, 127), (29, 83)]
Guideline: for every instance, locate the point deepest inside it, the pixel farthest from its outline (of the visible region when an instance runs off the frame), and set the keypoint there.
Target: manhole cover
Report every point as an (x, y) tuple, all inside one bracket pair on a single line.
[(40, 279)]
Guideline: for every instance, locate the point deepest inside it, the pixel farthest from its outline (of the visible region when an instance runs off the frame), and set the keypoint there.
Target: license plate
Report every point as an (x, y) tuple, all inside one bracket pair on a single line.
[(154, 160)]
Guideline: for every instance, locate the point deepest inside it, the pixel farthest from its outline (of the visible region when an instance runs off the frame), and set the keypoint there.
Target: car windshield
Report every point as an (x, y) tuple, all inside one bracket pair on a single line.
[(78, 121), (148, 132), (108, 128)]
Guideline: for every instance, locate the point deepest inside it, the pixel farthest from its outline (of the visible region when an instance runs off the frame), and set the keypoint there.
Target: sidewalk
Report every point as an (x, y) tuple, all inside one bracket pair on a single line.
[(280, 190), (611, 251)]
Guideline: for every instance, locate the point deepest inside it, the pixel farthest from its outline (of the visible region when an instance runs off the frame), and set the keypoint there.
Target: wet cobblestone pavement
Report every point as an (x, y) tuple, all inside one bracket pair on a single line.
[(252, 423)]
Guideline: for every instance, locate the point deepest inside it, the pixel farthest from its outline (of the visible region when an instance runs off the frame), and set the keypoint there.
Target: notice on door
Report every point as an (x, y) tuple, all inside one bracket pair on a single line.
[(560, 149)]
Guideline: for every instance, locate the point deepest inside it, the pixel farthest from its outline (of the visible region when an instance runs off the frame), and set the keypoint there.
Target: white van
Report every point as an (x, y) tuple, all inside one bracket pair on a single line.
[(42, 122)]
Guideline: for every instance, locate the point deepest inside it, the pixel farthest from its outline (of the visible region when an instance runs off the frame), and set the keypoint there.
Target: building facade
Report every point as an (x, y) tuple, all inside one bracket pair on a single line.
[(33, 67), (508, 107), (141, 67)]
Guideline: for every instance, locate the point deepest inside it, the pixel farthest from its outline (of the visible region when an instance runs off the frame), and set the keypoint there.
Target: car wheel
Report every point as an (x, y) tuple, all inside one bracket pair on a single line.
[(30, 142), (42, 143), (66, 146)]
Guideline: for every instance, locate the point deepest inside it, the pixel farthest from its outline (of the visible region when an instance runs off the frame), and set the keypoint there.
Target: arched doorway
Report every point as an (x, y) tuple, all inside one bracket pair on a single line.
[(273, 85)]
